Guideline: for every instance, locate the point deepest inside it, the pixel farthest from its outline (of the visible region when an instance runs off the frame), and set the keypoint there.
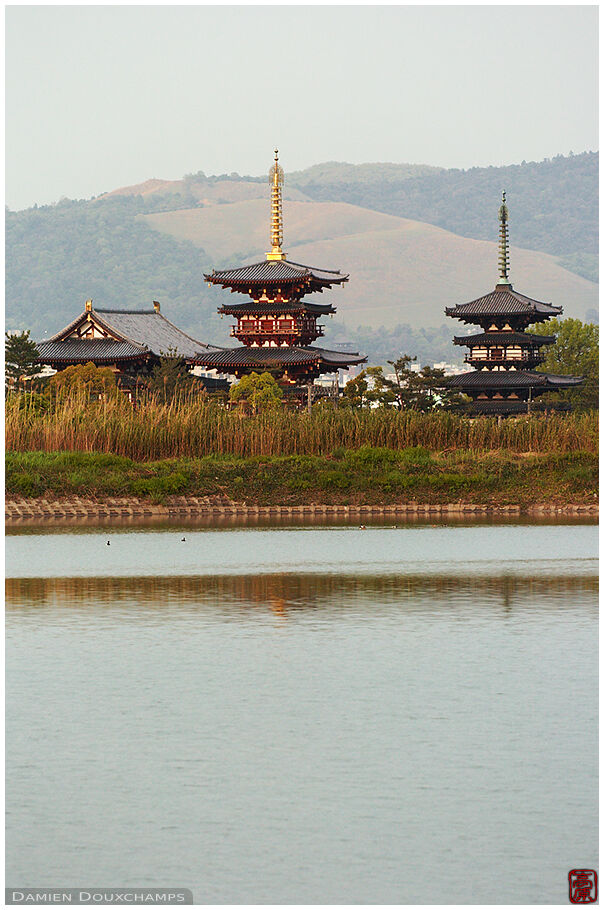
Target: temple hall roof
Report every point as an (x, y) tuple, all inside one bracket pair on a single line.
[(151, 329), (97, 350), (139, 331)]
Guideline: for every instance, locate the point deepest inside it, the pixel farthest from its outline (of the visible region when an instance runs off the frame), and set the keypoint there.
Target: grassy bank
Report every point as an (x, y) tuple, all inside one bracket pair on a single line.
[(365, 475), (192, 428)]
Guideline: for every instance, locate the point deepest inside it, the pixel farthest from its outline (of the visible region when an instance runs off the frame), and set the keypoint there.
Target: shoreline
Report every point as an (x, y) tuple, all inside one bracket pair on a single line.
[(77, 510)]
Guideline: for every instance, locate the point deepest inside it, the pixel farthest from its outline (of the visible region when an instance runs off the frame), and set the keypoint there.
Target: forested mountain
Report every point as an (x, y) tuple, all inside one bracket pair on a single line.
[(58, 256), (155, 240), (553, 203)]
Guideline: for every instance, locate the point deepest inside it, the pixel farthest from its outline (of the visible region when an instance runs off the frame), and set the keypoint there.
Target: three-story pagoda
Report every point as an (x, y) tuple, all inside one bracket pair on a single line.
[(277, 325), (503, 355)]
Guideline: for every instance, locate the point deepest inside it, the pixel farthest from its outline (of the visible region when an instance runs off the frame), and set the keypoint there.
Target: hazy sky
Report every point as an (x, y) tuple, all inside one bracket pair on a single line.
[(100, 97)]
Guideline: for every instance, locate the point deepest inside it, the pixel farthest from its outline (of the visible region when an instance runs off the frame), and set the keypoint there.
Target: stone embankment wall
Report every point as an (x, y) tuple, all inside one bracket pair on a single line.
[(86, 510)]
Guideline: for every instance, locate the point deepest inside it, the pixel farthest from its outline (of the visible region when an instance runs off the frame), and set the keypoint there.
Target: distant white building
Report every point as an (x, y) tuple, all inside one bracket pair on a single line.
[(451, 369), (411, 368)]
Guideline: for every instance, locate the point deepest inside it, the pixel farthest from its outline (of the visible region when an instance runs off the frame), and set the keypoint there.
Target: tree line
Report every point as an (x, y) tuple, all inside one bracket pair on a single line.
[(575, 353)]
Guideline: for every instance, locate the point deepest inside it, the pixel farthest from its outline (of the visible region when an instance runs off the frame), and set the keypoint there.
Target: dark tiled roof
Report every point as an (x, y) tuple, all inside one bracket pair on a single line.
[(143, 328), (497, 379), (346, 358), (249, 357), (503, 338), (213, 384), (276, 272), (503, 301), (508, 379), (252, 307), (498, 406), (97, 350), (152, 330), (563, 382), (512, 406)]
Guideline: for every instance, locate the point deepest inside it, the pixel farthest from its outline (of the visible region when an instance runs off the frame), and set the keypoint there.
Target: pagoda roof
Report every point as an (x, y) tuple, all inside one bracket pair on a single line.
[(503, 338), (139, 331), (508, 379), (265, 306), (276, 272), (504, 301), (511, 406), (267, 357), (563, 382), (347, 358)]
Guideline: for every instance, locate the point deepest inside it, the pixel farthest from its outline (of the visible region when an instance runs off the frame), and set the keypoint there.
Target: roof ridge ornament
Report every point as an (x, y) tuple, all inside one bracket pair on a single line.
[(504, 245), (276, 178)]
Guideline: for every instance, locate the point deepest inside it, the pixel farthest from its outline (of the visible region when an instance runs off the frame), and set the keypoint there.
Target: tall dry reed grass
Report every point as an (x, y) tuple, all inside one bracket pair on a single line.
[(194, 427)]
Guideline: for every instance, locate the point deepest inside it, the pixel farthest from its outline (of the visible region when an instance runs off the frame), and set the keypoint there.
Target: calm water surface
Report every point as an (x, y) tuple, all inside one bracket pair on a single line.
[(304, 715)]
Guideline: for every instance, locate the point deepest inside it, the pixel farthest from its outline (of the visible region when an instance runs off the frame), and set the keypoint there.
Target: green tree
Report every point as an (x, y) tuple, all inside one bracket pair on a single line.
[(356, 391), (404, 386), (85, 377), (171, 377), (423, 390), (433, 393), (409, 390), (575, 353), (21, 357), (258, 391)]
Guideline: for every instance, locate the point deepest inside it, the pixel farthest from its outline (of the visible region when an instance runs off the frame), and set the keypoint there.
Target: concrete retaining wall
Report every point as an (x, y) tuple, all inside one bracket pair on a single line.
[(86, 510)]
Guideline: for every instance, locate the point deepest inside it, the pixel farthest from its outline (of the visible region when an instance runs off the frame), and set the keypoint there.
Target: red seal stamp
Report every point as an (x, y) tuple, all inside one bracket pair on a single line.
[(582, 886)]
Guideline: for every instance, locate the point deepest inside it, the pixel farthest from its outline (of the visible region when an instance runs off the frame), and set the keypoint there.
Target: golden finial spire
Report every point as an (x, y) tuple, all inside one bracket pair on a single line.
[(276, 179), (504, 244)]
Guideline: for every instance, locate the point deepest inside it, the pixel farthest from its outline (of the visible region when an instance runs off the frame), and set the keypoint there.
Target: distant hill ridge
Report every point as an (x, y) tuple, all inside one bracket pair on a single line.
[(381, 222), (553, 203), (336, 172)]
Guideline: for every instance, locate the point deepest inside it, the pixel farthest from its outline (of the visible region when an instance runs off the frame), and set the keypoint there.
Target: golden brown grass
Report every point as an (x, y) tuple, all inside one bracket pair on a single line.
[(193, 427)]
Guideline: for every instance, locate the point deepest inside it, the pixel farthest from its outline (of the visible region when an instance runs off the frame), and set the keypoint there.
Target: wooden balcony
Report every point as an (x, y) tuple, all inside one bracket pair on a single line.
[(499, 356), (280, 331)]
